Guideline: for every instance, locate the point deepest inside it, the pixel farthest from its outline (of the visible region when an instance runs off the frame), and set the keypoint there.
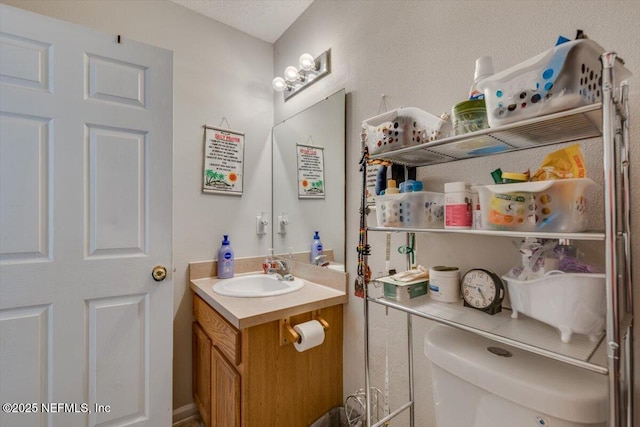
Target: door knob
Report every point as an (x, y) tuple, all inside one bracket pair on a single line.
[(159, 273)]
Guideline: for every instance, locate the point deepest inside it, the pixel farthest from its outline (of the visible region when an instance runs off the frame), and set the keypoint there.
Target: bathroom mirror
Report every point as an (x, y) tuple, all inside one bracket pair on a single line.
[(309, 154)]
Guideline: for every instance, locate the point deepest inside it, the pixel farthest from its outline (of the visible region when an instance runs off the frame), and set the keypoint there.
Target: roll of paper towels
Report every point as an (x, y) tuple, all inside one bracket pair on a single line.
[(311, 335)]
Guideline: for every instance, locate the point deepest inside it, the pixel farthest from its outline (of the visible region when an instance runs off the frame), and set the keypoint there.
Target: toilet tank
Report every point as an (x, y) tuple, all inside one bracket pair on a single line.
[(531, 381)]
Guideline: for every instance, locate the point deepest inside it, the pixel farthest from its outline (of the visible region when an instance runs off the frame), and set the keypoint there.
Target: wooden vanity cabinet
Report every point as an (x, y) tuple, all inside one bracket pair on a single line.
[(246, 378), (216, 384), (201, 352)]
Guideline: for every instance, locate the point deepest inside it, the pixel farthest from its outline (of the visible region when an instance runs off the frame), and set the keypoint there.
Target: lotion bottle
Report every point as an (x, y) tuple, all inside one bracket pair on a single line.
[(225, 259), (316, 248)]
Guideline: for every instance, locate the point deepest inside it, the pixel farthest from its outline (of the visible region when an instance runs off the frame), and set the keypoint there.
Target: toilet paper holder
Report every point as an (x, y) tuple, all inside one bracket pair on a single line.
[(288, 335)]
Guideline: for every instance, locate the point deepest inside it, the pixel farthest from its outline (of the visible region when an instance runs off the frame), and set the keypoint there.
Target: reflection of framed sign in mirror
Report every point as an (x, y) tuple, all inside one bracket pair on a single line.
[(372, 176), (223, 161), (310, 172)]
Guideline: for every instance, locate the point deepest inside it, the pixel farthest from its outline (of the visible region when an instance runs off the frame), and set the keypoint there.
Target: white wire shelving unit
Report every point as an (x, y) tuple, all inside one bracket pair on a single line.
[(613, 354)]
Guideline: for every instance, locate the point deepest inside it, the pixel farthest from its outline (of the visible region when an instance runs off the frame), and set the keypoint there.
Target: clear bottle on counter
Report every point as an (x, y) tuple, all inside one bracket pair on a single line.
[(268, 263)]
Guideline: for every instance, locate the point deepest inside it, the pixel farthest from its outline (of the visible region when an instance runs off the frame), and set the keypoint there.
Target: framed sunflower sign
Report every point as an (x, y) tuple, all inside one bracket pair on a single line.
[(310, 172), (223, 161)]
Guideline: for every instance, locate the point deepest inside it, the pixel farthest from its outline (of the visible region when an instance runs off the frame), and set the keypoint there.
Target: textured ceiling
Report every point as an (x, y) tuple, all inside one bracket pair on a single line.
[(264, 19)]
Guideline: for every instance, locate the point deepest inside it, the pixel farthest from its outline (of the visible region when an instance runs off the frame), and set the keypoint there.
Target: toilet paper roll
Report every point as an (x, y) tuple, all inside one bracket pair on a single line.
[(311, 335)]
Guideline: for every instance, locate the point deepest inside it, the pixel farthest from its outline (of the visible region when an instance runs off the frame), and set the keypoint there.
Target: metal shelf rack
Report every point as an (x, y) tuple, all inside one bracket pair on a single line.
[(613, 354)]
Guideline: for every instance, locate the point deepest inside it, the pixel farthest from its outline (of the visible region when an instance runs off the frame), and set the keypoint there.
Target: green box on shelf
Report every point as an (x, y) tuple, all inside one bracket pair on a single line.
[(403, 291)]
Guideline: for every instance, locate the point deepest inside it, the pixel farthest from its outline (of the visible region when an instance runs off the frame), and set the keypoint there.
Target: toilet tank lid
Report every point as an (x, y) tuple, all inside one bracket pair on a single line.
[(555, 388)]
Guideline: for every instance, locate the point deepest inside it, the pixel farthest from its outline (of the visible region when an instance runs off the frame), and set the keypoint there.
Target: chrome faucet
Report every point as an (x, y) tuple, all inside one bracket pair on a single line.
[(281, 270)]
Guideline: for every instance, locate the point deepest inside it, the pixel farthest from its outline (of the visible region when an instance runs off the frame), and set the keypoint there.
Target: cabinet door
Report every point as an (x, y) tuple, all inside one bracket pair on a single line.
[(202, 373), (225, 392)]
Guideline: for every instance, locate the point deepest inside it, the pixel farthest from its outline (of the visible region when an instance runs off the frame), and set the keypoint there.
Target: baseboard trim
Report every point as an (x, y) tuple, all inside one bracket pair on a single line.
[(184, 413)]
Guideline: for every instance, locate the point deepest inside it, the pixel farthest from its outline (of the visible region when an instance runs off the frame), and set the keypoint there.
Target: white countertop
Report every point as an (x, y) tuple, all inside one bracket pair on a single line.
[(246, 312)]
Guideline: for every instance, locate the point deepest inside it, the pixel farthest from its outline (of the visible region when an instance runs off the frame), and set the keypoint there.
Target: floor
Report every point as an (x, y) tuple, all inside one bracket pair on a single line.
[(195, 421)]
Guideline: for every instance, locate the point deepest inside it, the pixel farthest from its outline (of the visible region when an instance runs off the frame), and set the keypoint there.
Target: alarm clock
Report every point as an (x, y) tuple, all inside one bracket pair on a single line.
[(482, 290)]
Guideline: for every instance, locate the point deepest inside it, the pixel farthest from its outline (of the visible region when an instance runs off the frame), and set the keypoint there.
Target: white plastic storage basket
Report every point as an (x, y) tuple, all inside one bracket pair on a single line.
[(553, 206), (401, 128), (420, 209), (567, 76), (572, 302)]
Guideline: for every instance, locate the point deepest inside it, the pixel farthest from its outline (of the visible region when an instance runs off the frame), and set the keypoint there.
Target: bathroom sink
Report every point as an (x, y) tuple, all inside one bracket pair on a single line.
[(256, 285)]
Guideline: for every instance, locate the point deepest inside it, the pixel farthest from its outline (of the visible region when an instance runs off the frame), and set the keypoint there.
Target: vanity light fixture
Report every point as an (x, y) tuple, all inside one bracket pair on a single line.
[(310, 70)]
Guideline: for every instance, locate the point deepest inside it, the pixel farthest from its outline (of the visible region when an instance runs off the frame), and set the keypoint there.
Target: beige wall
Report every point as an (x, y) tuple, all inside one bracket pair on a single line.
[(422, 54), (218, 72)]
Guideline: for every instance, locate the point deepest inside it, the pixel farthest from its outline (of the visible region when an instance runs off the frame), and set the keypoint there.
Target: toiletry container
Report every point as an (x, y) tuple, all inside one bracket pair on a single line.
[(316, 248), (484, 69), (269, 261), (391, 187), (476, 211), (381, 180), (501, 386), (444, 283), (225, 259), (457, 206), (469, 116)]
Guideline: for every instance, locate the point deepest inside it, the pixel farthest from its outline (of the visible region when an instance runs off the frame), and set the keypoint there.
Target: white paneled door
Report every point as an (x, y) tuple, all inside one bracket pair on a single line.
[(85, 216)]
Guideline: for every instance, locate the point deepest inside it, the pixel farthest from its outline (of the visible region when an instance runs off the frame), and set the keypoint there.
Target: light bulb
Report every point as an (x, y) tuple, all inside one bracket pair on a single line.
[(306, 62), (279, 85), (291, 73)]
